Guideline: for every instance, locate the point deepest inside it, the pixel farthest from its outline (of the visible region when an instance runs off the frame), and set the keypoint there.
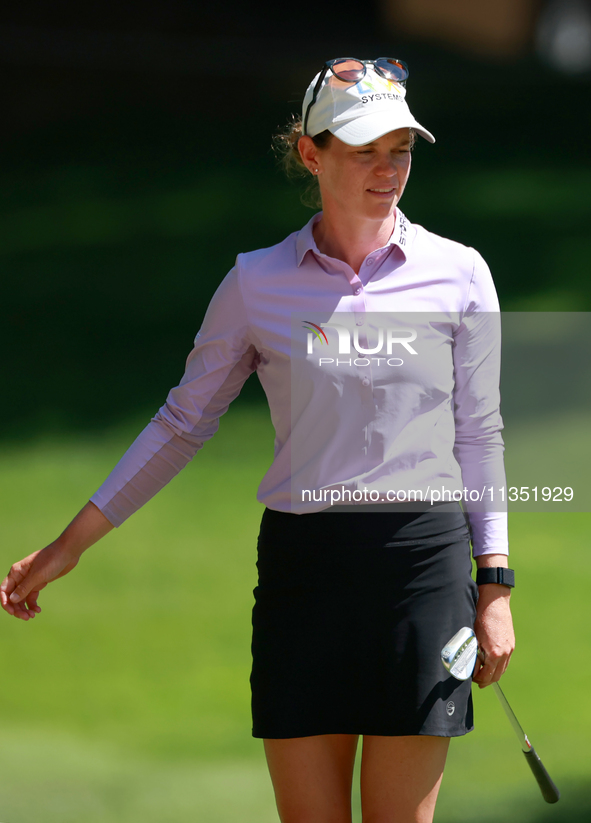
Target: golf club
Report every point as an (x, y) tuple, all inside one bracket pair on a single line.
[(459, 656)]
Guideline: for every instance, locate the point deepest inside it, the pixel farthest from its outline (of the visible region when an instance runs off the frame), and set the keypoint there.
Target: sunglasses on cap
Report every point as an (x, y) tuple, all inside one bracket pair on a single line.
[(352, 70)]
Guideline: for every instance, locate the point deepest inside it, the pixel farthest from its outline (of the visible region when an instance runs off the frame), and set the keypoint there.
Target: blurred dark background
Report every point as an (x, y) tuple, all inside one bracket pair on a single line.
[(136, 163)]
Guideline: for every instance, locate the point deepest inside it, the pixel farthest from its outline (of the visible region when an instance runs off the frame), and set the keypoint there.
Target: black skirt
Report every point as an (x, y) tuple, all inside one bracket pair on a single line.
[(351, 612)]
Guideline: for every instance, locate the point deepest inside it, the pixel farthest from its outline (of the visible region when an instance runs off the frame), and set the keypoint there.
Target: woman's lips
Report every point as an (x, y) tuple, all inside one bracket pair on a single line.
[(382, 191)]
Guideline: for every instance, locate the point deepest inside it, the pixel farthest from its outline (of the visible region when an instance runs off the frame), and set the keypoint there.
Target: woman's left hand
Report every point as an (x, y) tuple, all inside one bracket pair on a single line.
[(494, 632)]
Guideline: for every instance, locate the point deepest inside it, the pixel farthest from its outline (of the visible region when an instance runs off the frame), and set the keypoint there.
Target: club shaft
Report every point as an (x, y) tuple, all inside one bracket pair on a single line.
[(523, 741), (547, 786)]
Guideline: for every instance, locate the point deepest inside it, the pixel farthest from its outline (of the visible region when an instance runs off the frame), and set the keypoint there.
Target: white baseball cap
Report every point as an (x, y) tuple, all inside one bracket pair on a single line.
[(359, 113)]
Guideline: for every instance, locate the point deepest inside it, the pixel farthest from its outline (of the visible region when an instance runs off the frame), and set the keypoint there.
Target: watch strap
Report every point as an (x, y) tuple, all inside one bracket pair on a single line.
[(497, 574)]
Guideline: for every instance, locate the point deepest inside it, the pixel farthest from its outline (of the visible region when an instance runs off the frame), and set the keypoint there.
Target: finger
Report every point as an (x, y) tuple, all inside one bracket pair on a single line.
[(15, 578), (32, 600), (5, 603), (478, 664), (487, 680), (20, 612), (486, 675), (8, 581), (8, 585), (477, 668), (17, 595), (501, 668)]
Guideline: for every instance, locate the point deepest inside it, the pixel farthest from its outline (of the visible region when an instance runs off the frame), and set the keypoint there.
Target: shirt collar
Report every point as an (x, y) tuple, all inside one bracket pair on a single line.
[(401, 236)]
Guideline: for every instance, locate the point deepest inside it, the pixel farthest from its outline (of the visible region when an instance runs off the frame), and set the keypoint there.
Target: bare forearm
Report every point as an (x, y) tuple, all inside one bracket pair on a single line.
[(89, 525), (490, 561)]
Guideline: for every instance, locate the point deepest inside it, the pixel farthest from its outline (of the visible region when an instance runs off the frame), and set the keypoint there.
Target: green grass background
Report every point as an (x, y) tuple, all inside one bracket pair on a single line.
[(127, 699)]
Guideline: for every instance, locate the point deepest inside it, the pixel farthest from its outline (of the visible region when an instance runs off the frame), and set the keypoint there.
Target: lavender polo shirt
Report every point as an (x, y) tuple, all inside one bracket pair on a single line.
[(346, 418)]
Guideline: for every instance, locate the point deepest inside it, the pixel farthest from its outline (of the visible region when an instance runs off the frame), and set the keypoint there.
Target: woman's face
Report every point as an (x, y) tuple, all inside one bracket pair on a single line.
[(366, 181)]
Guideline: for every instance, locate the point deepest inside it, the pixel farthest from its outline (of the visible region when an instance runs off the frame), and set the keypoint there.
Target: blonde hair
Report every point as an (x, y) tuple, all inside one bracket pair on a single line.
[(285, 146)]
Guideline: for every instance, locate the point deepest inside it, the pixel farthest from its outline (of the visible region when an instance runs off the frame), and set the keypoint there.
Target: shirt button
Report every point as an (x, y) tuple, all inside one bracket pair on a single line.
[(359, 323), (357, 290), (369, 261), (365, 381)]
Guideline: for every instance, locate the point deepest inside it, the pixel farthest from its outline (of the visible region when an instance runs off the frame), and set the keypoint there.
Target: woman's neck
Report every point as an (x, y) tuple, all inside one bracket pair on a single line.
[(351, 240)]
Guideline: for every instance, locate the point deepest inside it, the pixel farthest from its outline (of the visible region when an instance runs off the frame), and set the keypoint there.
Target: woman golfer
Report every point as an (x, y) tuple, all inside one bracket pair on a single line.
[(377, 344)]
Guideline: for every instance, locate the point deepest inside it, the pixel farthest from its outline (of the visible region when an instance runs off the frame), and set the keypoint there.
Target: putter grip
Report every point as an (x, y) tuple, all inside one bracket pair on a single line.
[(549, 791)]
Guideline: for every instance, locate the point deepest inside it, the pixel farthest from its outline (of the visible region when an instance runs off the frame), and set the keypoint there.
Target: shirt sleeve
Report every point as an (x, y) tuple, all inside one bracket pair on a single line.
[(222, 359), (479, 446)]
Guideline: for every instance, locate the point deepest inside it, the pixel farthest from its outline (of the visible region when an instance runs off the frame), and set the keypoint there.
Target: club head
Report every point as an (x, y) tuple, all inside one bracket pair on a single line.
[(459, 654)]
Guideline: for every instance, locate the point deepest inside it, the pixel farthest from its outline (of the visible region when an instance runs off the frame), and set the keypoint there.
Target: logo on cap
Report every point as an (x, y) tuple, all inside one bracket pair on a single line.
[(378, 89), (377, 84)]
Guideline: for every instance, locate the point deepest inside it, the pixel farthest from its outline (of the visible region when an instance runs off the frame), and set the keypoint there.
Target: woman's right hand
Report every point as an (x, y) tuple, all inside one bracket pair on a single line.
[(21, 586)]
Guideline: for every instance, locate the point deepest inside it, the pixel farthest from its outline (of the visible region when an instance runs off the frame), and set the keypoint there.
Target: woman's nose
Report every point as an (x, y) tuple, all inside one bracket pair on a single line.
[(387, 167)]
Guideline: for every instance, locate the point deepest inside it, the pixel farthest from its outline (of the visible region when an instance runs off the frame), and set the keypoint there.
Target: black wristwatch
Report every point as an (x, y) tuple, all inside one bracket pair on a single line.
[(505, 577)]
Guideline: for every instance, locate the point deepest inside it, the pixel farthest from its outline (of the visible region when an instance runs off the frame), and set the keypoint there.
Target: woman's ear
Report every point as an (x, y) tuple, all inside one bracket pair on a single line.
[(309, 154)]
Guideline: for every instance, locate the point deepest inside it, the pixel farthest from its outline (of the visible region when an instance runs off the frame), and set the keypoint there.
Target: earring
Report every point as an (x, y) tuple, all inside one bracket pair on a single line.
[(315, 171)]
